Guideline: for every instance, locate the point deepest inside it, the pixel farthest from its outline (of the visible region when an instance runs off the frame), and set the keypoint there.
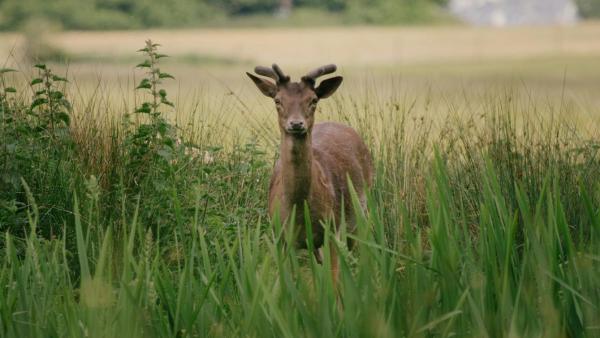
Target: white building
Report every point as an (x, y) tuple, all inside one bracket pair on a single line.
[(515, 12)]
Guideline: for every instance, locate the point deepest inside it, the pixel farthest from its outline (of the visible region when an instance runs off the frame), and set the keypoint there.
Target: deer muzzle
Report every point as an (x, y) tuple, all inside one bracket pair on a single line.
[(296, 127)]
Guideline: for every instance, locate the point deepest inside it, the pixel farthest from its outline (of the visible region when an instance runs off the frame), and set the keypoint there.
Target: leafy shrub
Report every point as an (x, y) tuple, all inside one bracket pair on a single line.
[(38, 148), (154, 141)]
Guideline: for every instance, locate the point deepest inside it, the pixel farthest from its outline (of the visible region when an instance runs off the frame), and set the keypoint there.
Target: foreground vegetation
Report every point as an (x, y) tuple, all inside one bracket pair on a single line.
[(484, 225)]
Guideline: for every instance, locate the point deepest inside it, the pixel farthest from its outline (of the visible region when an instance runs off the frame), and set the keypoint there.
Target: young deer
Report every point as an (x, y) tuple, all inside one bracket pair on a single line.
[(315, 160)]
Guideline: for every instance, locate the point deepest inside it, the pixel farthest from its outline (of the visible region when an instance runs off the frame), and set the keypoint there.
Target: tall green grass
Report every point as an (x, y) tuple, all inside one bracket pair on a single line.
[(479, 225)]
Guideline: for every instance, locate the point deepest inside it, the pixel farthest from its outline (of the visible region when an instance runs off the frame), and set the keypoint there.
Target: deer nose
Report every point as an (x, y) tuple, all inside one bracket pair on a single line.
[(296, 125)]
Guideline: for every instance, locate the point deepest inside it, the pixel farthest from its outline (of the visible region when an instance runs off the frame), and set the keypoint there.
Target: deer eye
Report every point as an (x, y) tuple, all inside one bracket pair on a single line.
[(314, 101), (278, 102)]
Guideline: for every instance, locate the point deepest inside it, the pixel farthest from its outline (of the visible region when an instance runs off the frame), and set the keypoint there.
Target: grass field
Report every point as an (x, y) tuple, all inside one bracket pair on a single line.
[(483, 221), (436, 65)]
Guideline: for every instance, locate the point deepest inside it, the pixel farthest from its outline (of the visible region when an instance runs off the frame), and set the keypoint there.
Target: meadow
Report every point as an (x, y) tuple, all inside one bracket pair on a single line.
[(141, 212)]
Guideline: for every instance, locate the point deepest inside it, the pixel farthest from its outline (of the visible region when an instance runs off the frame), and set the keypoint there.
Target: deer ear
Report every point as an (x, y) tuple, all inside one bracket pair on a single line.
[(328, 87), (266, 87)]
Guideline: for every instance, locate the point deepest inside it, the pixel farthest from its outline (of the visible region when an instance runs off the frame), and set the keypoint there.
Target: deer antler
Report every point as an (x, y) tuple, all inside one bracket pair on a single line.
[(266, 71), (282, 77), (274, 73), (324, 70)]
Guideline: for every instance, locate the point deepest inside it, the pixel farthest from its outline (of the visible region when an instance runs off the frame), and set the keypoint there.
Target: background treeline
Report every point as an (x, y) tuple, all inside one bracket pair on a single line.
[(589, 8), (131, 14)]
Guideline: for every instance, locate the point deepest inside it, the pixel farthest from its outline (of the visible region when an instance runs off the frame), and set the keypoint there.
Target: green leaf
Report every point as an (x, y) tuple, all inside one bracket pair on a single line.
[(145, 64), (165, 76), (168, 103), (160, 56), (144, 84), (56, 95), (65, 103), (162, 93), (10, 90), (58, 78), (40, 66), (62, 116), (144, 109), (37, 102), (163, 127), (6, 70), (169, 142), (36, 81)]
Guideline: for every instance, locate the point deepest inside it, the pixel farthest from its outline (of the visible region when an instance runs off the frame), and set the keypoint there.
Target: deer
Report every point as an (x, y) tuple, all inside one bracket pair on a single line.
[(317, 161)]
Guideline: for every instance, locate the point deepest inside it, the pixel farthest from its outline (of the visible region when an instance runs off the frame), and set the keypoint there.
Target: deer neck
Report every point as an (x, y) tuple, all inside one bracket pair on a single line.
[(298, 167)]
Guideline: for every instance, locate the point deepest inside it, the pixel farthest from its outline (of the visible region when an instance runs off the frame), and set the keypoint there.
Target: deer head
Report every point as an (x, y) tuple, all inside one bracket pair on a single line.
[(296, 101)]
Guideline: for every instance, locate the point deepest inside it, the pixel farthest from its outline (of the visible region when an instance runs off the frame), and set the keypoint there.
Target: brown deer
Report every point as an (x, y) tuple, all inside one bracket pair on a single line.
[(316, 160)]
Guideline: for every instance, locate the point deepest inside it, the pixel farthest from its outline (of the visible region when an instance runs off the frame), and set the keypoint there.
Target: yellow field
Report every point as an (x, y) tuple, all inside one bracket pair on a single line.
[(442, 69)]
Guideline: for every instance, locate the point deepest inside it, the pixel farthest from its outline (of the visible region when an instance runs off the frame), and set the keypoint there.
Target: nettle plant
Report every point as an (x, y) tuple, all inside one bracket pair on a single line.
[(36, 148), (6, 110), (155, 139), (49, 105), (48, 114), (5, 89), (8, 147)]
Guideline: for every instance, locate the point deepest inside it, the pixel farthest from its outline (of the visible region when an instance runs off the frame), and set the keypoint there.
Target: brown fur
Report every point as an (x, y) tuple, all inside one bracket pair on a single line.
[(314, 169)]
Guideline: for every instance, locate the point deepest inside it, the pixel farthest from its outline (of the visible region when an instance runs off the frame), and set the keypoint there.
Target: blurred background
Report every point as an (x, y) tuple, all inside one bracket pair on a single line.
[(458, 50)]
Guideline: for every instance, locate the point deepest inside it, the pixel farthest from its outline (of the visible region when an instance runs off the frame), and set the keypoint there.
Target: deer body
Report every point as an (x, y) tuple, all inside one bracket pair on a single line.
[(316, 160), (315, 169)]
